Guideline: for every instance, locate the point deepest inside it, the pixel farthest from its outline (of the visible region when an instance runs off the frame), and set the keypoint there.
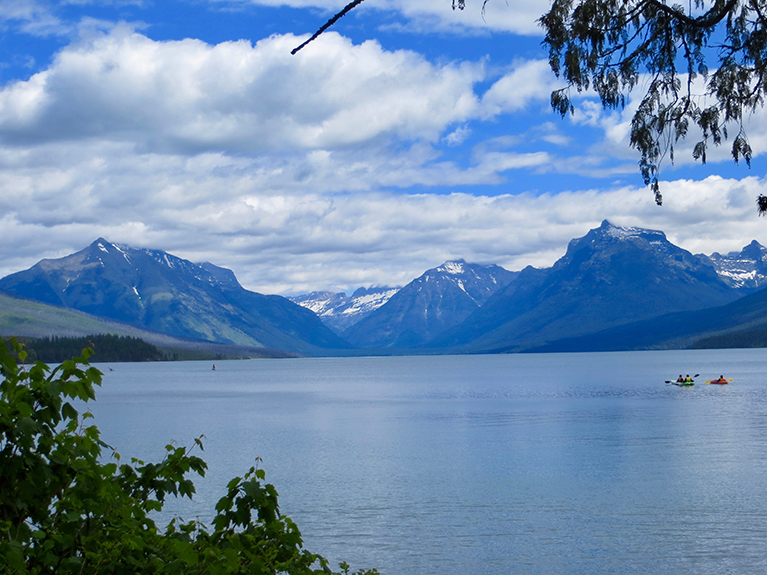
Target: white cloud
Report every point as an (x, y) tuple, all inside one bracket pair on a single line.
[(429, 16), (187, 96), (280, 237), (528, 81), (293, 171), (498, 16), (32, 17), (457, 136), (493, 162)]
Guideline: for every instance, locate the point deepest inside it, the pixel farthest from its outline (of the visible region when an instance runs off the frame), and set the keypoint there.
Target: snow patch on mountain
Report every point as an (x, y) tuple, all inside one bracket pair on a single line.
[(340, 311), (745, 270), (454, 267), (623, 233), (369, 302), (320, 305), (654, 237)]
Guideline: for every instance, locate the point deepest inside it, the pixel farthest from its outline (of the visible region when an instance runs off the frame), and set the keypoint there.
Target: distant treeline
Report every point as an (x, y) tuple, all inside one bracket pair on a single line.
[(740, 339), (107, 347)]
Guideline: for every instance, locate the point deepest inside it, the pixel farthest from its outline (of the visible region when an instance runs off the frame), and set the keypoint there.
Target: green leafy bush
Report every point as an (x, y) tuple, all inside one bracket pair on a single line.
[(65, 508)]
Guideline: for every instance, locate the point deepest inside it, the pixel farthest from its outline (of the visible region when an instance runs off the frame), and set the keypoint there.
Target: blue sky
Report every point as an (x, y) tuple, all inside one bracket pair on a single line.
[(408, 135)]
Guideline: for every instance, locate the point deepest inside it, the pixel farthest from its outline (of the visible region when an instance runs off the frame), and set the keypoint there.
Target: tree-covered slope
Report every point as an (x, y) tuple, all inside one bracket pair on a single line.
[(741, 323)]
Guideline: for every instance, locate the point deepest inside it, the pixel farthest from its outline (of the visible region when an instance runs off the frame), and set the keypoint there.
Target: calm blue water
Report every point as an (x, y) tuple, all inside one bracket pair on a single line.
[(541, 464)]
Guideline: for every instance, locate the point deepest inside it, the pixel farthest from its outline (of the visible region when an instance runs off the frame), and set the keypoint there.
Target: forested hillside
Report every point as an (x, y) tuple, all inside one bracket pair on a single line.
[(106, 347)]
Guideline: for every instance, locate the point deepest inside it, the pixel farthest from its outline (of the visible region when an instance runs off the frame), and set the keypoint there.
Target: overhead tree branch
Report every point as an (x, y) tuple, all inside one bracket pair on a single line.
[(349, 7), (608, 45), (711, 18)]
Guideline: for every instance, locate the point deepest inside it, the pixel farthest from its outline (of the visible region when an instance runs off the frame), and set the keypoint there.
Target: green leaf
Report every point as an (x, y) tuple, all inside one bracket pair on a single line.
[(24, 410), (68, 412)]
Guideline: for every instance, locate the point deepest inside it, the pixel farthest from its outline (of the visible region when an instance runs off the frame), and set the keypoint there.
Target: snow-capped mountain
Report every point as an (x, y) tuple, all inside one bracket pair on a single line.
[(745, 270), (610, 276), (155, 290), (340, 311), (438, 299)]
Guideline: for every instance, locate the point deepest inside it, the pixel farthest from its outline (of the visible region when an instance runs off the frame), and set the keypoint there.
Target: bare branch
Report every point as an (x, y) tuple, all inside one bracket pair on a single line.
[(349, 7)]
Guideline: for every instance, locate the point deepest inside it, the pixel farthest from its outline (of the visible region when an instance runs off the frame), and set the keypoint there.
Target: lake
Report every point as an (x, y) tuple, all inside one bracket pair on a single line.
[(495, 464)]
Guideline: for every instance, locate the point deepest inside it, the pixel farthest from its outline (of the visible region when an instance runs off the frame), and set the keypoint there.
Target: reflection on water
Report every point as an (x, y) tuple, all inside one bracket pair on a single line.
[(562, 463)]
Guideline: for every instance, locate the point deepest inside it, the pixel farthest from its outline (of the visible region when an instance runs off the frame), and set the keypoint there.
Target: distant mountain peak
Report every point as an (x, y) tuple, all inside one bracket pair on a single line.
[(755, 251), (607, 238), (622, 233), (436, 300), (155, 290), (340, 311), (104, 246), (453, 267), (745, 270), (110, 247), (610, 276)]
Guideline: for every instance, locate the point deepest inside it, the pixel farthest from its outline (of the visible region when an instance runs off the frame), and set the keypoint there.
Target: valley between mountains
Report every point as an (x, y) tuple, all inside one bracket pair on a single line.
[(614, 289)]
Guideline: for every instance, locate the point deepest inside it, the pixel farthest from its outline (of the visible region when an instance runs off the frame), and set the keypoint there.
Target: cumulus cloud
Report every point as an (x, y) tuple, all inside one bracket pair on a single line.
[(297, 172), (187, 96), (526, 82), (246, 215)]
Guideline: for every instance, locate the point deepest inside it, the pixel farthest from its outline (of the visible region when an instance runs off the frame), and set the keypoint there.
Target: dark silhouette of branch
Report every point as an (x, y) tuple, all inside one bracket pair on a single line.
[(350, 6), (711, 18)]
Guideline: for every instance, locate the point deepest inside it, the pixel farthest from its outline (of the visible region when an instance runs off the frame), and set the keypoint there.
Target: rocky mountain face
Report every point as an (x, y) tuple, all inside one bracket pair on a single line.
[(339, 311), (611, 276), (439, 299), (155, 290), (745, 270)]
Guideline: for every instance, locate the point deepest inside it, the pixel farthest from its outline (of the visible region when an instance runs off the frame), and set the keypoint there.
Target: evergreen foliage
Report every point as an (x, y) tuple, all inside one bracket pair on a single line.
[(106, 347), (740, 339), (609, 45), (67, 507)]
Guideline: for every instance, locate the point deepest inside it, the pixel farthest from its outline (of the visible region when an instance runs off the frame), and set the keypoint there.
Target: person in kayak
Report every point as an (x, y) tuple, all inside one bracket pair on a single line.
[(681, 378), (720, 380), (688, 379)]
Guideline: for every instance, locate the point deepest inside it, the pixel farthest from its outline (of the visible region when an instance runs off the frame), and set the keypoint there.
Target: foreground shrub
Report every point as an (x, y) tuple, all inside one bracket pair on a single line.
[(65, 508)]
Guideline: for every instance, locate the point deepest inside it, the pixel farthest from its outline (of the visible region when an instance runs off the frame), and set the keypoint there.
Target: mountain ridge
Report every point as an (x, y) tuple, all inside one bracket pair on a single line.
[(32, 319), (610, 276), (745, 270), (436, 300), (160, 292)]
